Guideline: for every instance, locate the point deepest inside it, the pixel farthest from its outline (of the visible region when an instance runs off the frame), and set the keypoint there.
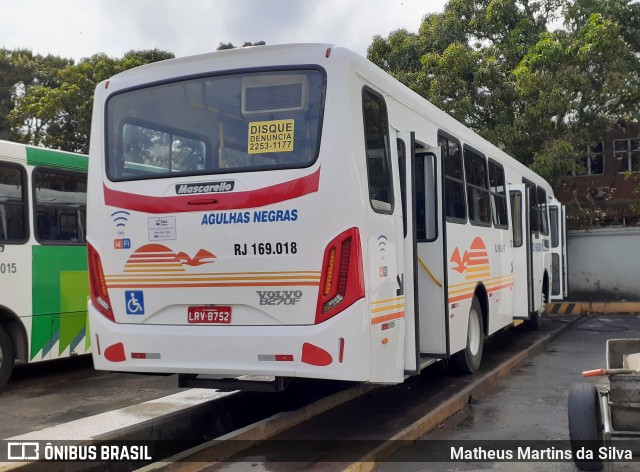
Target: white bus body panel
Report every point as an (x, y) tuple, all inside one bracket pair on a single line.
[(235, 350), (260, 334), (16, 268), (214, 262)]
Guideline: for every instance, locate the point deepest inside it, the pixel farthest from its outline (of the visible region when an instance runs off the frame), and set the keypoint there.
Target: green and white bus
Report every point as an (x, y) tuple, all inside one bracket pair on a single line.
[(43, 256)]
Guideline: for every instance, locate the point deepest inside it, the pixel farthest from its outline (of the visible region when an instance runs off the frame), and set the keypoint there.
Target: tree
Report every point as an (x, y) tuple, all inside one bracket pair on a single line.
[(542, 96), (462, 59), (222, 46), (577, 83), (20, 70), (60, 116)]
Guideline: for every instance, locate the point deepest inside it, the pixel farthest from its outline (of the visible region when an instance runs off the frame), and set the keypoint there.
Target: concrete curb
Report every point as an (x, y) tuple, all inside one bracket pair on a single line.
[(449, 407), (588, 308), (172, 415), (224, 447)]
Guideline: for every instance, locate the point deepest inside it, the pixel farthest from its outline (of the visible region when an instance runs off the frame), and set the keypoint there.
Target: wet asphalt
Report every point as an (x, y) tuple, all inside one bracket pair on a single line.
[(529, 405)]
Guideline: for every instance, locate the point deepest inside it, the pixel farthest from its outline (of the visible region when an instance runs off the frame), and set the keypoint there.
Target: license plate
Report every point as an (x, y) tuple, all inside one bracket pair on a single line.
[(209, 315)]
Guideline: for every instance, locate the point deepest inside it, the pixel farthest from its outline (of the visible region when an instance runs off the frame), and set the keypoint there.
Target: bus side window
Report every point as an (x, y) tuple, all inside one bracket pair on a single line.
[(555, 234), (426, 198), (542, 212), (13, 208), (516, 217), (403, 182), (478, 200), (498, 195), (454, 195), (60, 200), (376, 129), (68, 227), (534, 211)]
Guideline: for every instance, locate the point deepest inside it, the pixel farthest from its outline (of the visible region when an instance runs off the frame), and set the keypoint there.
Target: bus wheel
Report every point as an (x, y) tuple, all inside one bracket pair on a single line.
[(535, 319), (7, 357), (468, 360)]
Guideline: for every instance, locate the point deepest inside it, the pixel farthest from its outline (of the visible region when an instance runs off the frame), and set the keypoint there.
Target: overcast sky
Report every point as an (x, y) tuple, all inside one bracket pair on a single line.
[(81, 28)]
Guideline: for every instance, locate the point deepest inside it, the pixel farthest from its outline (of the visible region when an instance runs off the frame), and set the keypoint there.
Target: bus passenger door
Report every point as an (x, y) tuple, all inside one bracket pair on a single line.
[(557, 218), (431, 266), (384, 253), (521, 255), (406, 165), (424, 250), (15, 247)]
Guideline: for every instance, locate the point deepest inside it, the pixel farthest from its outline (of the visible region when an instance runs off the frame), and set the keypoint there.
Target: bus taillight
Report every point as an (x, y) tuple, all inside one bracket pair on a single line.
[(342, 280), (98, 284)]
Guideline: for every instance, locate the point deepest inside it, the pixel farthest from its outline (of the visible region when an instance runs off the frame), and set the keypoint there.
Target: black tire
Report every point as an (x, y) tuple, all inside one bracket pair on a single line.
[(468, 360), (585, 424), (7, 357), (535, 320)]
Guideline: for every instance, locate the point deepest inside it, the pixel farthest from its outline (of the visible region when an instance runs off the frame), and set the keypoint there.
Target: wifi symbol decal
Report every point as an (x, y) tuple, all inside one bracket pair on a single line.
[(120, 217), (382, 243)]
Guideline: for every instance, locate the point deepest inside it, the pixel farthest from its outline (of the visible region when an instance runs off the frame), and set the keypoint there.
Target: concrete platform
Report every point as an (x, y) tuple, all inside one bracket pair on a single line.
[(592, 308)]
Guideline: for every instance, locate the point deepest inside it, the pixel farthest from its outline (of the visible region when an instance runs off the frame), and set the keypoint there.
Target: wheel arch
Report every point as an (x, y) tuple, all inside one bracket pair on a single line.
[(483, 298), (16, 331)]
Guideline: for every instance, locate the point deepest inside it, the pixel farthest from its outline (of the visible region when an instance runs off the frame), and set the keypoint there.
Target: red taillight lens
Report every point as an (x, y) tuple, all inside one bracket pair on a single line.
[(98, 284), (342, 280)]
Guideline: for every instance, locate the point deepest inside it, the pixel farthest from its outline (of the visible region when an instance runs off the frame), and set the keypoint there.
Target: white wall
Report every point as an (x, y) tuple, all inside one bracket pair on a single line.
[(604, 264)]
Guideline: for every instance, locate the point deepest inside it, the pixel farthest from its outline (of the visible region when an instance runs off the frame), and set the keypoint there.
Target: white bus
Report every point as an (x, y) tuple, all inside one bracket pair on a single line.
[(43, 257), (294, 211)]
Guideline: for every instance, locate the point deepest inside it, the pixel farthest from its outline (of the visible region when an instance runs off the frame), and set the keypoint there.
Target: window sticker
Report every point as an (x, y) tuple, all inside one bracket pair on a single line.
[(135, 302), (162, 228), (270, 136)]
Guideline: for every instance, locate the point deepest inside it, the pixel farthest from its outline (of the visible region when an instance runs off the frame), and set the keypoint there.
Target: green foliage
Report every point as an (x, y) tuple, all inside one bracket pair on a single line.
[(543, 96), (56, 112), (223, 46), (19, 71), (48, 101)]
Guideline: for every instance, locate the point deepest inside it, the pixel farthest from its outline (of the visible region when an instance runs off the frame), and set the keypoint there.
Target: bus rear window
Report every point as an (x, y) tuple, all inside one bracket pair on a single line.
[(220, 124)]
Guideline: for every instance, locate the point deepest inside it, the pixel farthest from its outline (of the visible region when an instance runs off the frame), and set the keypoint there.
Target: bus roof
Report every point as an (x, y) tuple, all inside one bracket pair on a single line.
[(33, 155), (314, 53)]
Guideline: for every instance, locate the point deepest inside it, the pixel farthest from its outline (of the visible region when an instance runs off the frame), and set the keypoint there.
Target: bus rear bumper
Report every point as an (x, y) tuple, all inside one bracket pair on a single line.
[(321, 351)]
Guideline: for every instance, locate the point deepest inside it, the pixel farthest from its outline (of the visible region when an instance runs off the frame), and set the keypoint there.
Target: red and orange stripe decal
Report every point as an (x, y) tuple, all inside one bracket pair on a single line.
[(157, 266), (478, 261), (387, 310), (466, 290), (220, 279)]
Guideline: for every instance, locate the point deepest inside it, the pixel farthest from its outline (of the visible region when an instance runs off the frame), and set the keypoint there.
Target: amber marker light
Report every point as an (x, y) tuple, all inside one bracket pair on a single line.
[(330, 265)]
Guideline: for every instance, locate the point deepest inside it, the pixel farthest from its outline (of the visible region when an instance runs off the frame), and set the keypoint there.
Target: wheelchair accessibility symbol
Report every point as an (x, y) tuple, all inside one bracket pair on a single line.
[(135, 302)]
